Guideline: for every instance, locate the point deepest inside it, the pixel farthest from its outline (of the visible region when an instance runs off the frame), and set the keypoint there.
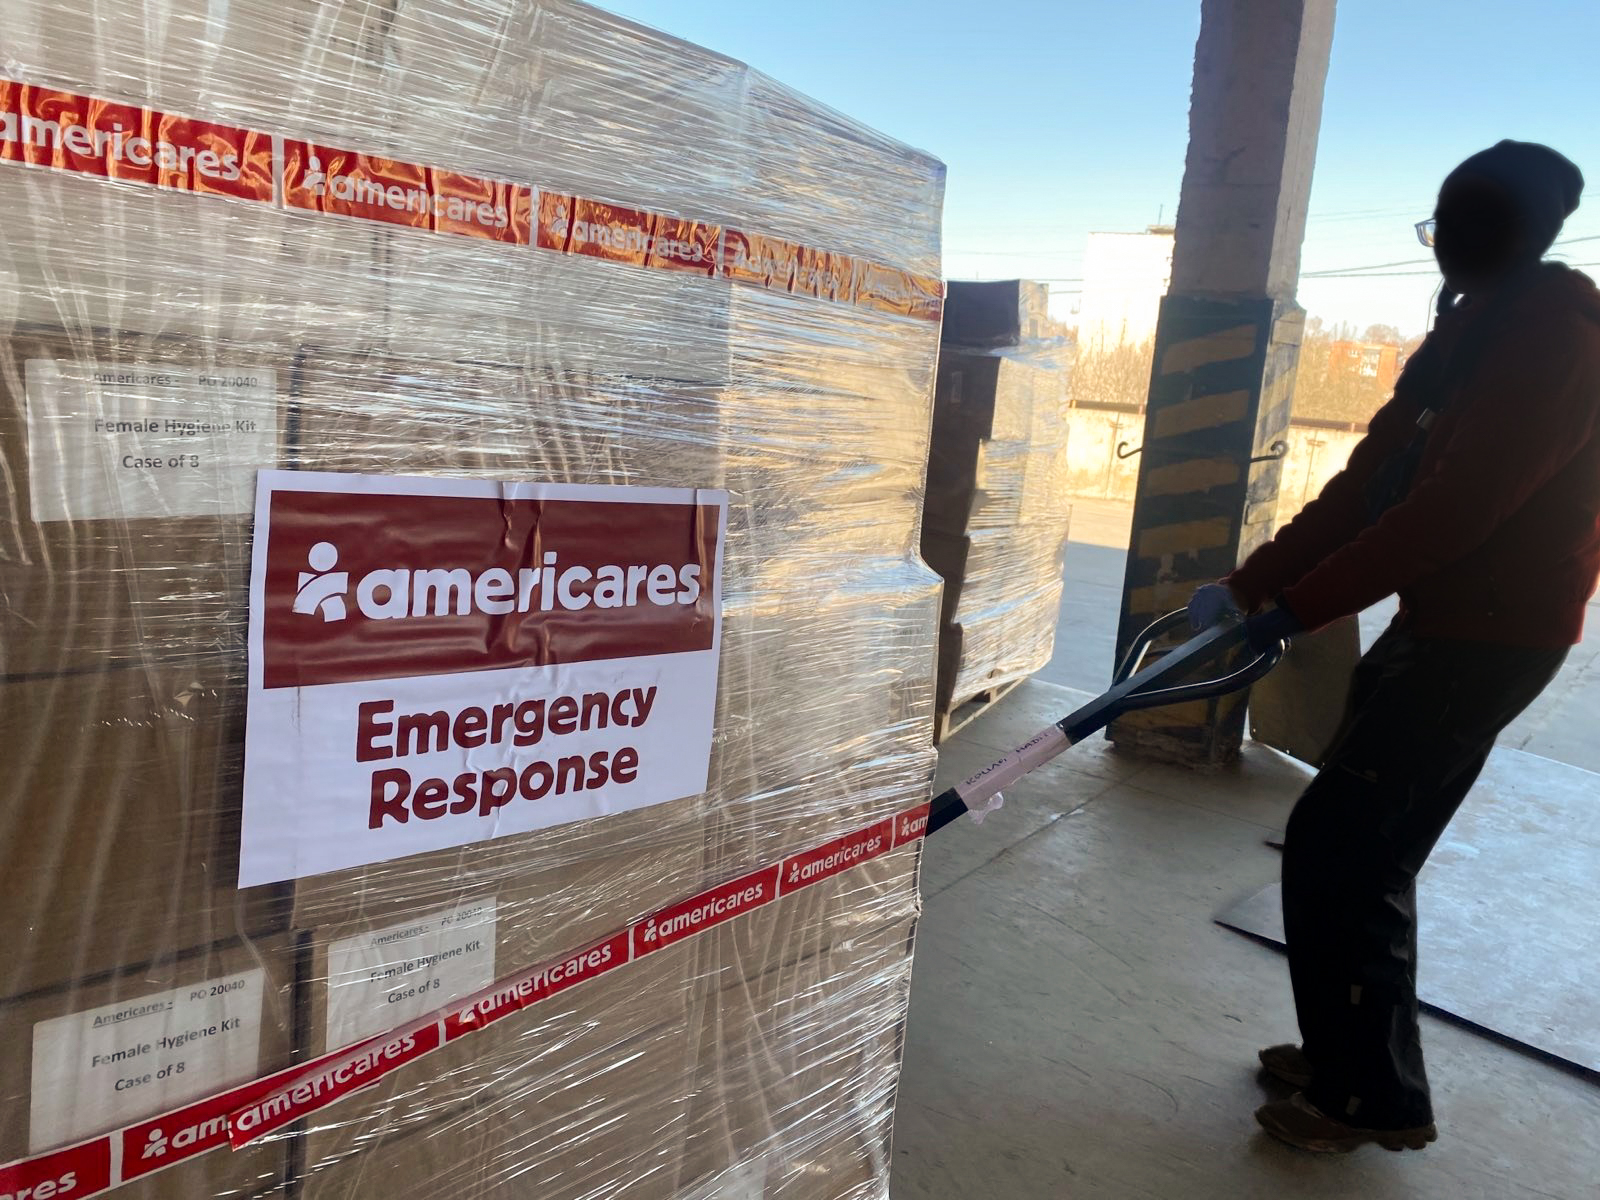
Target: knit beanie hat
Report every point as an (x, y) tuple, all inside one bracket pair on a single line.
[(1543, 184)]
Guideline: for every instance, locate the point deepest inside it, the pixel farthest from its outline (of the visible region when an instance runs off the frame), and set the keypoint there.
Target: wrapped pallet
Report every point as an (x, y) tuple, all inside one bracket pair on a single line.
[(464, 644), (996, 513)]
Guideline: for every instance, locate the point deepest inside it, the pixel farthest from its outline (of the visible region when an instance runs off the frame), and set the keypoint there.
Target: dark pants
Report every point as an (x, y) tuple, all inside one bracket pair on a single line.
[(1423, 716)]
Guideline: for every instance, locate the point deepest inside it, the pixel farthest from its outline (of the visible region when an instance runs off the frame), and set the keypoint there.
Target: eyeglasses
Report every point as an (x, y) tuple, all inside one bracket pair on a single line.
[(1426, 231)]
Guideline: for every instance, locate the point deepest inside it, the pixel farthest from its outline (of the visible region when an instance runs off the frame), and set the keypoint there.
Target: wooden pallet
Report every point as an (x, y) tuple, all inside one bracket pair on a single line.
[(947, 724)]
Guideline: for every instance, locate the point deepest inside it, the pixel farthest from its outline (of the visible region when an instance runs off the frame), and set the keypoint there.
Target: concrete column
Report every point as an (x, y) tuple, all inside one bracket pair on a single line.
[(1229, 334)]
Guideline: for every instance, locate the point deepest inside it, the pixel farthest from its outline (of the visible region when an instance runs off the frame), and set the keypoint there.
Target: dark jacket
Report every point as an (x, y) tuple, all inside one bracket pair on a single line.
[(1498, 537)]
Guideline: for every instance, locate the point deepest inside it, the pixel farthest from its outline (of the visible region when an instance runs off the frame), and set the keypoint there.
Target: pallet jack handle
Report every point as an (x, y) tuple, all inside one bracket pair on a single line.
[(1133, 687)]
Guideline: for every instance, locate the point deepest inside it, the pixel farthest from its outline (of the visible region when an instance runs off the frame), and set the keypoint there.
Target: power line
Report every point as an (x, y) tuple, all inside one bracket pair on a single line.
[(1404, 262), (1336, 272), (1370, 274), (1361, 214), (1405, 274)]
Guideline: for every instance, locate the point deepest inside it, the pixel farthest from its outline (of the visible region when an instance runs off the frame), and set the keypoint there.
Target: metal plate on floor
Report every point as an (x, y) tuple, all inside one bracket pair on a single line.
[(1299, 708), (1510, 923)]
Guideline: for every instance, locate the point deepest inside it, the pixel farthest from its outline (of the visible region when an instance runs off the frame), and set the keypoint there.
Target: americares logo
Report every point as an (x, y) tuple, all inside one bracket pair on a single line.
[(361, 189), (63, 1186), (367, 585), (118, 145), (397, 593), (160, 1145)]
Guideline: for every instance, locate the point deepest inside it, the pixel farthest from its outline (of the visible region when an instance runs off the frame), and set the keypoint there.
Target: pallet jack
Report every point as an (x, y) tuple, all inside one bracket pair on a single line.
[(1133, 687)]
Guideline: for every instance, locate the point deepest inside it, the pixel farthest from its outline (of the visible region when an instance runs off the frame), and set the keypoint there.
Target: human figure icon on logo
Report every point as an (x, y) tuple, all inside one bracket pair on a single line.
[(316, 180), (322, 589), (156, 1146)]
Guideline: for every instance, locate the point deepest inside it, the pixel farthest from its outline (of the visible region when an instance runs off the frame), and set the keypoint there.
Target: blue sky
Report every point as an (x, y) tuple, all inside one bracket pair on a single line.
[(1060, 117)]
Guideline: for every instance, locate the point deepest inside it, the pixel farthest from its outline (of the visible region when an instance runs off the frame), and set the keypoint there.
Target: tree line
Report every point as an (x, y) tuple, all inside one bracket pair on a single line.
[(1328, 387)]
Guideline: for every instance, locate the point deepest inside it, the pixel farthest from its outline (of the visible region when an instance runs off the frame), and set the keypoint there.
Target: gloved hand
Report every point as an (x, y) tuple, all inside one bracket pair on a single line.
[(1211, 604), (1271, 626)]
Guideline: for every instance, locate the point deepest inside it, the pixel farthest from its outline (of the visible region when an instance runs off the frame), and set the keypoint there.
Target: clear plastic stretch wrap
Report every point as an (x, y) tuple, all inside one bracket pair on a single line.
[(997, 511), (466, 666)]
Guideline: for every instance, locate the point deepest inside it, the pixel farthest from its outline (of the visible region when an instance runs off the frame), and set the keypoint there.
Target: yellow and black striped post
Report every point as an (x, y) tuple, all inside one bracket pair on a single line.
[(1208, 487), (1228, 336)]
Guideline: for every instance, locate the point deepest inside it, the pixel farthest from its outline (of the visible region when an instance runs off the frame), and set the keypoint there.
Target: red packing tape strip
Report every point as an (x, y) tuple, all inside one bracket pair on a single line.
[(65, 131), (244, 1114)]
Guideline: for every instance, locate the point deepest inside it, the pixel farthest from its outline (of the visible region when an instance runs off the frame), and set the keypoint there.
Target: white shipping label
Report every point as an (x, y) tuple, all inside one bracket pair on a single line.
[(96, 1070), (122, 443), (385, 977)]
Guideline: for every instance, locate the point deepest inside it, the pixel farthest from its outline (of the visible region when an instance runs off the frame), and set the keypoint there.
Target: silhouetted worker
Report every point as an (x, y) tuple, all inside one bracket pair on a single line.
[(1475, 496)]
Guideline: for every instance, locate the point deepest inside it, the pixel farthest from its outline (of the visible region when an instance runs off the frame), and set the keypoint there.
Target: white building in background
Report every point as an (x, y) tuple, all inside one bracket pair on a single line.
[(1124, 277)]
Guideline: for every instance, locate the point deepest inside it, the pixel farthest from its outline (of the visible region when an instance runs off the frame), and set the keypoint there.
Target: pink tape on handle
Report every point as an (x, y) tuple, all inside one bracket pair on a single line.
[(990, 781)]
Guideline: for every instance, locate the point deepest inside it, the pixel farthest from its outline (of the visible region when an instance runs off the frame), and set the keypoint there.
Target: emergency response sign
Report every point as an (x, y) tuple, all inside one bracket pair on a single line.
[(435, 662)]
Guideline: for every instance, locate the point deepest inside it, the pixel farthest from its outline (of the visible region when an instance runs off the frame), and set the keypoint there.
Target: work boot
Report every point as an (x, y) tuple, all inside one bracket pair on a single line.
[(1299, 1123), (1288, 1063)]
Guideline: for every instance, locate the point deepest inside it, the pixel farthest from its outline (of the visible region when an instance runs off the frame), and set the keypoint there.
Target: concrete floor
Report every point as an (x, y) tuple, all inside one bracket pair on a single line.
[(1079, 1026)]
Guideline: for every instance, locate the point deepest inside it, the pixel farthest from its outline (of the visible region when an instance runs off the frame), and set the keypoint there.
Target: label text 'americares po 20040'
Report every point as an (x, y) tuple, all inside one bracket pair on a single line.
[(435, 662)]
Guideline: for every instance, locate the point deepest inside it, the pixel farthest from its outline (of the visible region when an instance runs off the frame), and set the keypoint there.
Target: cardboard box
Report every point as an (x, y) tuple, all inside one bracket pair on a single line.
[(996, 516), (994, 569), (408, 1126), (121, 828), (865, 173), (216, 270), (567, 310), (998, 485), (768, 824), (986, 650), (128, 465), (819, 734), (612, 1125), (1021, 485), (801, 1063), (854, 1165), (515, 86), (99, 48), (97, 255), (369, 409), (587, 1087), (812, 922), (807, 686), (810, 495), (366, 977), (577, 881), (994, 415), (1001, 312), (803, 814), (54, 1094), (847, 1168)]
